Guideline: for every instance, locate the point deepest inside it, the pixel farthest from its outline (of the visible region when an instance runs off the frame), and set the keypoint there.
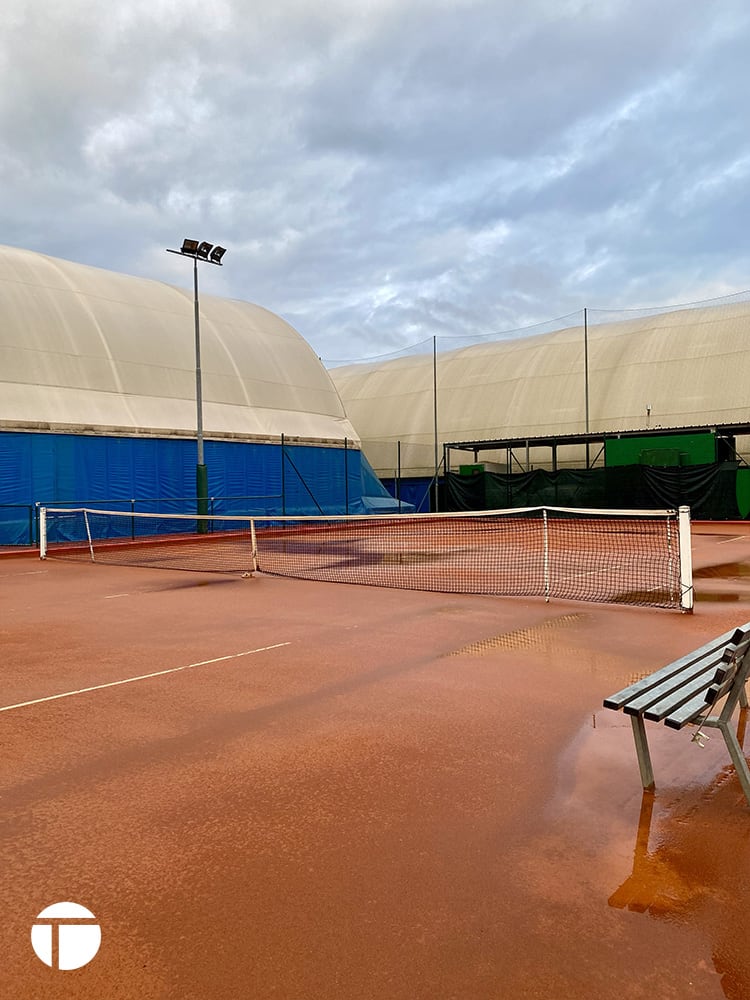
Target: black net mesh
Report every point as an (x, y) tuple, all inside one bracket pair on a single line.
[(615, 557)]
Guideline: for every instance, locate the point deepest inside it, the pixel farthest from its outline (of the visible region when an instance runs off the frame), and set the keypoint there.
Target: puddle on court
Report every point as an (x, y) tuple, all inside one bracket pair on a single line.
[(723, 571), (652, 856), (727, 573), (720, 597)]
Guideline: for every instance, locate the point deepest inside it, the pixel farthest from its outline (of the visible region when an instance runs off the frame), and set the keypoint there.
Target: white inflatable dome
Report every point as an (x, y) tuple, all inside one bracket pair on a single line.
[(92, 351)]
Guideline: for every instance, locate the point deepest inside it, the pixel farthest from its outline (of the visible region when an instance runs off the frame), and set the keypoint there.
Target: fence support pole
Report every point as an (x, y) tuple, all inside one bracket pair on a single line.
[(586, 375), (436, 506), (346, 474), (398, 474)]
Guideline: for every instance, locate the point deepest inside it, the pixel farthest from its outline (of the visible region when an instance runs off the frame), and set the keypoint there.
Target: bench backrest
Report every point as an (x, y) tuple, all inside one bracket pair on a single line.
[(679, 693), (733, 667)]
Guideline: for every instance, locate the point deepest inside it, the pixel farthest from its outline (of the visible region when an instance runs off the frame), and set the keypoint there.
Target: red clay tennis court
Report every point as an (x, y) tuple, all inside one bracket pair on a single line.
[(277, 788)]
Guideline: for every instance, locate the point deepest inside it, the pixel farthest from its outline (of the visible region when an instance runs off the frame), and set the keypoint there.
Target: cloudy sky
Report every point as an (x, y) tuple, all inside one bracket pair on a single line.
[(386, 171)]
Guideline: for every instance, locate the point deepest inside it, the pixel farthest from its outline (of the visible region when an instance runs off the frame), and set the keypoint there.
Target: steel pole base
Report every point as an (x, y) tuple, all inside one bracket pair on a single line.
[(201, 492)]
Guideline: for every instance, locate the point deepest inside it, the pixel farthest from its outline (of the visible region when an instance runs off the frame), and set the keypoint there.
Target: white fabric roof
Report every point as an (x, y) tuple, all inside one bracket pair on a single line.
[(691, 366), (91, 350)]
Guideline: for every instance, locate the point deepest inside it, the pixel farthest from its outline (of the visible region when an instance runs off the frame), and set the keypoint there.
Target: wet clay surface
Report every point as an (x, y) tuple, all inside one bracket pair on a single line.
[(387, 795)]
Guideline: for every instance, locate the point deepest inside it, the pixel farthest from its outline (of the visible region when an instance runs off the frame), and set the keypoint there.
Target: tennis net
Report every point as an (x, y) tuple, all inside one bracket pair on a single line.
[(621, 557)]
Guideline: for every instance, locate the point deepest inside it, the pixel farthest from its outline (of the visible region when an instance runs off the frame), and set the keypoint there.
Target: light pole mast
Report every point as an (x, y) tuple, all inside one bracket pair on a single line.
[(212, 254), (198, 372)]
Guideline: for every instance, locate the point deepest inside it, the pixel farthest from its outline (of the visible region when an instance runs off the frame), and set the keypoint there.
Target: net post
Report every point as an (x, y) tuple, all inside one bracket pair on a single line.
[(546, 555), (88, 534), (254, 544), (42, 532), (686, 561)]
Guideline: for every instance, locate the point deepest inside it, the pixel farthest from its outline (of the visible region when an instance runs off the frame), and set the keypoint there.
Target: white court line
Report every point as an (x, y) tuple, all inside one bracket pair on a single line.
[(141, 677)]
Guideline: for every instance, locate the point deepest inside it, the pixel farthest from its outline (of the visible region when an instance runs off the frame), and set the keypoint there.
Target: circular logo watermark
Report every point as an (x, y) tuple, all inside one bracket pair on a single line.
[(66, 936)]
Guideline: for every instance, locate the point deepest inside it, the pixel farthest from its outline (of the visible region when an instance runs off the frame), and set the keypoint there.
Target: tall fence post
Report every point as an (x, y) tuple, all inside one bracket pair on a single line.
[(346, 474), (398, 474), (435, 420), (586, 378)]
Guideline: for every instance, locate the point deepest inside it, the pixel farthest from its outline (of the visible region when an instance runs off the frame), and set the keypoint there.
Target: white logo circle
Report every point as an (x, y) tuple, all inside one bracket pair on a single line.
[(67, 936)]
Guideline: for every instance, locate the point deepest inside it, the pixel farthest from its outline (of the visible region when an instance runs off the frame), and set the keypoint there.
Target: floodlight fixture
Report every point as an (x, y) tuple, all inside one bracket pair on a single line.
[(201, 251)]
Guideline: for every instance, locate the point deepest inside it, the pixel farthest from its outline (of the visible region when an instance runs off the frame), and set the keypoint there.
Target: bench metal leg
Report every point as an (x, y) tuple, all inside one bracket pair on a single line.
[(738, 758), (644, 757)]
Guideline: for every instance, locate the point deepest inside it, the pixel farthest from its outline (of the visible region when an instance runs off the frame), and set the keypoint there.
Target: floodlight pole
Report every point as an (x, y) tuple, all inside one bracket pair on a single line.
[(586, 376), (198, 374), (436, 495), (200, 251)]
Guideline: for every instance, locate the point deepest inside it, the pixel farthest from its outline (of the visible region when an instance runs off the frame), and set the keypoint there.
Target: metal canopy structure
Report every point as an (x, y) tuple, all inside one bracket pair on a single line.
[(594, 443)]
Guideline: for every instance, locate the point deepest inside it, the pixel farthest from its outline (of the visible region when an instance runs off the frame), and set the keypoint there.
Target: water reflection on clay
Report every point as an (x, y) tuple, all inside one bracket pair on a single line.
[(690, 865), (723, 571)]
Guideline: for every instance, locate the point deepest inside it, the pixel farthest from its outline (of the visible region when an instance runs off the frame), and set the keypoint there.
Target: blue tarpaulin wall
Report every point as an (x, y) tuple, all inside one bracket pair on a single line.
[(111, 472), (415, 493)]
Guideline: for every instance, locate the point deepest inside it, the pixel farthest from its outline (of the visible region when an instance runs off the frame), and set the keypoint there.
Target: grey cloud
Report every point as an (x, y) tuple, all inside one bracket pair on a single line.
[(386, 172)]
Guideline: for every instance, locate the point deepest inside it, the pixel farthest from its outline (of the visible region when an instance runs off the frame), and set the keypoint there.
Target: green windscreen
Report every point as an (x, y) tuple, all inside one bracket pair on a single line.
[(664, 450), (743, 491)]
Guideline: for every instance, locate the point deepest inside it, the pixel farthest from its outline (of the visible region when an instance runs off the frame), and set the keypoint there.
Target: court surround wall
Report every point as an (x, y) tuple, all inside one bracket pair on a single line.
[(110, 472)]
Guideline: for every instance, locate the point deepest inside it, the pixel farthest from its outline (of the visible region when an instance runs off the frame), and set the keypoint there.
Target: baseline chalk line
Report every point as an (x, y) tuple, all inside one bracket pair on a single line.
[(142, 677)]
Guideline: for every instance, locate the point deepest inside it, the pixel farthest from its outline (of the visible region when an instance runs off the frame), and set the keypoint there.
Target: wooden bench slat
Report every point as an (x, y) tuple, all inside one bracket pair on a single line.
[(696, 696), (659, 710), (701, 702), (686, 713), (701, 672), (726, 674), (699, 687), (618, 700), (716, 692), (726, 671)]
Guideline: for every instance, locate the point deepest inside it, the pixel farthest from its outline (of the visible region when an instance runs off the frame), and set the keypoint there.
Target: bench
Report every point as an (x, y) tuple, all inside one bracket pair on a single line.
[(689, 692)]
